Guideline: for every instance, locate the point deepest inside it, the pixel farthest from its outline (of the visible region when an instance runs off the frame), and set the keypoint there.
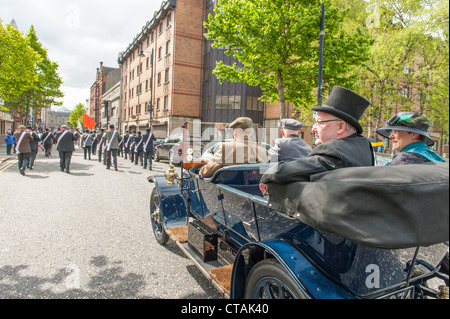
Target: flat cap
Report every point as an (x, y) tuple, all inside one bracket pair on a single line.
[(291, 124), (242, 122), (22, 127)]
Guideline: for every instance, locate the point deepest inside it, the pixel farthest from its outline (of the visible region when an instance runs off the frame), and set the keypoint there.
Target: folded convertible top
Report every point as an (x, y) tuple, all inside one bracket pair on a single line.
[(390, 207)]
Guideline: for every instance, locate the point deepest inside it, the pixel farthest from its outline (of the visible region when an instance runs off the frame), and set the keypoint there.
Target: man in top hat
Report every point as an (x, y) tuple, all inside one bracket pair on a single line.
[(65, 146), (240, 151), (291, 147), (338, 139), (409, 134), (23, 148)]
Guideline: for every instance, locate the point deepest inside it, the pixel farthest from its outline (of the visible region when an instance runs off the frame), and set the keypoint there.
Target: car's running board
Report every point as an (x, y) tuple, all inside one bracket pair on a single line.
[(214, 271)]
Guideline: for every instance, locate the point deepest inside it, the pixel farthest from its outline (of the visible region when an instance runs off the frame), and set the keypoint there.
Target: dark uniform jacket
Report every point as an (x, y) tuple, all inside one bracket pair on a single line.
[(34, 141), (288, 149), (49, 140), (352, 151), (138, 145), (86, 140), (65, 144), (112, 142), (149, 143)]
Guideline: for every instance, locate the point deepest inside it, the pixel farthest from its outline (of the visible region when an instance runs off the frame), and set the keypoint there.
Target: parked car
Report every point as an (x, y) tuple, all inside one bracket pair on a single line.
[(155, 145), (171, 148), (250, 250)]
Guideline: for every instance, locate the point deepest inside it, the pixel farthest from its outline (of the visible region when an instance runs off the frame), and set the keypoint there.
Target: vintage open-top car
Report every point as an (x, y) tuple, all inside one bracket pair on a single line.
[(250, 247)]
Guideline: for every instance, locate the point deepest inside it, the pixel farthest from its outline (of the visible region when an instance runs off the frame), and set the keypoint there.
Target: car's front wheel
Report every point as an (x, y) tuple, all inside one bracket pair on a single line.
[(157, 158), (155, 216), (269, 280)]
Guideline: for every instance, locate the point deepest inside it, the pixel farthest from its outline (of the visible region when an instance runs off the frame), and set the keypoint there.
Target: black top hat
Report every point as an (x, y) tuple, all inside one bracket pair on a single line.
[(409, 122), (346, 105)]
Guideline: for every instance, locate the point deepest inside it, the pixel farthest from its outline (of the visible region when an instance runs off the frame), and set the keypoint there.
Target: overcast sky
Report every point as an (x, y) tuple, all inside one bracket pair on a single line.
[(79, 34)]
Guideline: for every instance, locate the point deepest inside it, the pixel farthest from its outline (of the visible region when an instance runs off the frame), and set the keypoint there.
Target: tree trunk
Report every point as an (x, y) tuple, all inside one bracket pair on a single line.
[(281, 97)]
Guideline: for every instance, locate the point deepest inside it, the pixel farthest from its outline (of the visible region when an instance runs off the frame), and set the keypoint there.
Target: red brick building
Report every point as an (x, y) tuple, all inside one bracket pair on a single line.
[(105, 78), (161, 70)]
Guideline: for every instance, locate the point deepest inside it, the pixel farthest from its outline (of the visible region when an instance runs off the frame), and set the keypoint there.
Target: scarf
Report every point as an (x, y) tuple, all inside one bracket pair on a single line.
[(422, 149)]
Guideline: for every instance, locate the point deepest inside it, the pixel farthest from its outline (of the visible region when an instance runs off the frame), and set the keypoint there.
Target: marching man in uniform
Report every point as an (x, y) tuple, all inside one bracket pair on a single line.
[(65, 146), (112, 138), (148, 138), (23, 148)]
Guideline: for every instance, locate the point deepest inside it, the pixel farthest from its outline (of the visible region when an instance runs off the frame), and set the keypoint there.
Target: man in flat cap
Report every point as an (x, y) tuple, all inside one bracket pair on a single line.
[(242, 150), (23, 148), (338, 139), (291, 146)]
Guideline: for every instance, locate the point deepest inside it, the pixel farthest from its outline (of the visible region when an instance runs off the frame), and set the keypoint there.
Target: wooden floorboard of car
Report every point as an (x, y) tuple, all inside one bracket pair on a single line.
[(222, 276), (180, 234)]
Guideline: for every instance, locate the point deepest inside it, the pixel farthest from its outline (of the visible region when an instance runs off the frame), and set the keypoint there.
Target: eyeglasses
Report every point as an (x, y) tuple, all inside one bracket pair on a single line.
[(321, 122)]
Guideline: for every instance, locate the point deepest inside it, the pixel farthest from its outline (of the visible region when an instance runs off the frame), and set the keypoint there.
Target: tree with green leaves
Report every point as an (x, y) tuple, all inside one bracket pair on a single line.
[(18, 64), (276, 44), (46, 89), (408, 62), (77, 115)]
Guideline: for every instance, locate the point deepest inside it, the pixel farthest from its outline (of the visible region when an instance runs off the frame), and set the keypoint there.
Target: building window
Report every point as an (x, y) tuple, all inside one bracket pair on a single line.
[(159, 78), (160, 53), (166, 102), (166, 77), (168, 43), (161, 28), (169, 19), (158, 104), (228, 102)]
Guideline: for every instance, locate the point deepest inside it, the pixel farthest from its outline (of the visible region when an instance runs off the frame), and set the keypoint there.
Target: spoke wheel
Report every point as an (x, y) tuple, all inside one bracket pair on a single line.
[(155, 216), (269, 280)]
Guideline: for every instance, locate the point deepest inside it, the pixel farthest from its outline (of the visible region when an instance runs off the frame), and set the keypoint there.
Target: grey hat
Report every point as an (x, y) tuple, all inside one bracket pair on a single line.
[(291, 124), (408, 122), (242, 122), (346, 105)]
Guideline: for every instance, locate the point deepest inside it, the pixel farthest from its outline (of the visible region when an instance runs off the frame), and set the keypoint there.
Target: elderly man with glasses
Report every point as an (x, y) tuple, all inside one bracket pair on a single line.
[(338, 139)]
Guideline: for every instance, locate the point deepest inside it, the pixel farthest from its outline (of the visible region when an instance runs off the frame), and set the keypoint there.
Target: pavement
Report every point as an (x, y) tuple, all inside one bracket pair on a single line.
[(3, 156)]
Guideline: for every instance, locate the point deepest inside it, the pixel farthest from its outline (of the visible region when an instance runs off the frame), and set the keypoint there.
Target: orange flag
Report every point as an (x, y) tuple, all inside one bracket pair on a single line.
[(88, 121)]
